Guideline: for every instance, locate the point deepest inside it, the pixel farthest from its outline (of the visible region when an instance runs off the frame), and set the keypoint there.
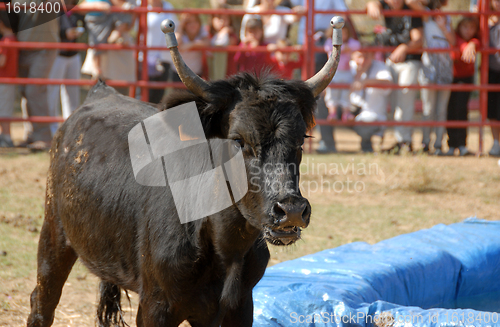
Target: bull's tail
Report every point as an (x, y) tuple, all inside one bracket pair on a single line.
[(109, 311)]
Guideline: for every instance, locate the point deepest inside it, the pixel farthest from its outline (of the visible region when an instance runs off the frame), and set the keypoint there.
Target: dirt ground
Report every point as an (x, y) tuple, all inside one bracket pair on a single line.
[(389, 195)]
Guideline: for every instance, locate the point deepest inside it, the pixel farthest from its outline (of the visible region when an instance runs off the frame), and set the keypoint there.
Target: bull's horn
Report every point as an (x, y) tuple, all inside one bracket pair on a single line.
[(192, 81), (320, 81)]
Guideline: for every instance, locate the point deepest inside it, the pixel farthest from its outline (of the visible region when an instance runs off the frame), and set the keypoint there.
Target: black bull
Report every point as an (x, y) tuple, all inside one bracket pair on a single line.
[(130, 235)]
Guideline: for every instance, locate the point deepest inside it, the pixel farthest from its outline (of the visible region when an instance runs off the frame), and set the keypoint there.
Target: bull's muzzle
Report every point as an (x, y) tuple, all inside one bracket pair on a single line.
[(289, 217), (292, 215)]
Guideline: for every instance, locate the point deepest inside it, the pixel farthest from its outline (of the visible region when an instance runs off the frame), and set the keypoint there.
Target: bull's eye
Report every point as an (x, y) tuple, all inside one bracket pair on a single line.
[(239, 143)]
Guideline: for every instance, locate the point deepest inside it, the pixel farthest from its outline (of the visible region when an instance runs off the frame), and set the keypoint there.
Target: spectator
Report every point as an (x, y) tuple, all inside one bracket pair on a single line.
[(494, 76), (37, 27), (121, 65), (283, 63), (337, 100), (406, 34), (473, 6), (321, 21), (116, 65), (222, 34), (275, 26), (160, 63), (8, 68), (437, 68), (191, 34), (467, 38), (370, 102), (66, 66), (251, 60), (99, 26), (122, 24)]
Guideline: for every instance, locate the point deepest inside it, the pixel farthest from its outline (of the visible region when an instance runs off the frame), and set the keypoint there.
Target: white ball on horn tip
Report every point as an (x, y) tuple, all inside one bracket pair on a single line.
[(167, 26), (337, 22)]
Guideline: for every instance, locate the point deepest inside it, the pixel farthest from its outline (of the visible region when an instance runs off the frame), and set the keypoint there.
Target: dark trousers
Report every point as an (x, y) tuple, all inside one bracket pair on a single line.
[(494, 97), (156, 95), (457, 110)]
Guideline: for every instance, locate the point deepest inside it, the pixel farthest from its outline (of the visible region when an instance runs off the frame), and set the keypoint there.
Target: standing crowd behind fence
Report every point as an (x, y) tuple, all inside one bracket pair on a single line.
[(418, 47)]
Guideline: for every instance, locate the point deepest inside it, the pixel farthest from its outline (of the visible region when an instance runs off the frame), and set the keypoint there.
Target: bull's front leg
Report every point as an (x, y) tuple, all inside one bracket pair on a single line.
[(242, 315), (254, 266), (154, 309)]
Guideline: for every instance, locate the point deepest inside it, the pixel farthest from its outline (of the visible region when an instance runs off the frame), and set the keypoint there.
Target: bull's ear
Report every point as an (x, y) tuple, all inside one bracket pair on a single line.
[(224, 96), (306, 101)]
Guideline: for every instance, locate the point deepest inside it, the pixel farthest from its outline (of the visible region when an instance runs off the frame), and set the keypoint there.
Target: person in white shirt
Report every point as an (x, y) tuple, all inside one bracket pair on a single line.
[(275, 26), (159, 62), (370, 102), (321, 21), (191, 34)]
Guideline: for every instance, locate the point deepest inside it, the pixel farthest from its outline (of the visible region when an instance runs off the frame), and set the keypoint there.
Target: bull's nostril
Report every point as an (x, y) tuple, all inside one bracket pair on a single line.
[(306, 214), (279, 211)]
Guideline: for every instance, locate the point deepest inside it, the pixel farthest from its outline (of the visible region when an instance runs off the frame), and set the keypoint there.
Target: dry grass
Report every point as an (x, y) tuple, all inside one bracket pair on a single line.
[(398, 195)]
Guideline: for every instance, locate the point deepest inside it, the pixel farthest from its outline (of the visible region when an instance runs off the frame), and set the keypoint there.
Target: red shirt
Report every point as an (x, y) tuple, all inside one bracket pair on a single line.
[(283, 70), (12, 56), (461, 68), (251, 61)]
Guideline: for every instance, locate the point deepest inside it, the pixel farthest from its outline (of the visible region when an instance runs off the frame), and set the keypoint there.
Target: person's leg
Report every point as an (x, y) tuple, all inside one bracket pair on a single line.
[(70, 97), (36, 95), (332, 97), (7, 98), (366, 133), (457, 110), (442, 99), (428, 97), (405, 98), (23, 71), (54, 91), (156, 95), (494, 111), (327, 143)]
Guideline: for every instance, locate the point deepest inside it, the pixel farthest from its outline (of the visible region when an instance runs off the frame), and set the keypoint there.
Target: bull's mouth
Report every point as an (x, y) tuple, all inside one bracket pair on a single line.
[(282, 236)]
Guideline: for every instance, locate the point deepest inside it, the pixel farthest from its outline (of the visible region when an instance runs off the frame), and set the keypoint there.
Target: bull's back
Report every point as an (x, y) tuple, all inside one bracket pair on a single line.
[(91, 186)]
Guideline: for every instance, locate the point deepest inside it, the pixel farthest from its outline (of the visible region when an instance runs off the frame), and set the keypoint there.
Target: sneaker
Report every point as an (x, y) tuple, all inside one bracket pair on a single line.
[(449, 153), (366, 146), (6, 141), (495, 150), (425, 148), (338, 111), (323, 149), (39, 146), (399, 148), (463, 151)]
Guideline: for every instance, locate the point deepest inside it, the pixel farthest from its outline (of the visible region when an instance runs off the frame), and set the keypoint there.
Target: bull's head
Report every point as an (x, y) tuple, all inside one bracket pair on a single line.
[(268, 119)]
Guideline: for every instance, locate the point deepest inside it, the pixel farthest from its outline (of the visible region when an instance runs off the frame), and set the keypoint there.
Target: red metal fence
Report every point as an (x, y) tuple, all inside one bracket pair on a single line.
[(308, 50)]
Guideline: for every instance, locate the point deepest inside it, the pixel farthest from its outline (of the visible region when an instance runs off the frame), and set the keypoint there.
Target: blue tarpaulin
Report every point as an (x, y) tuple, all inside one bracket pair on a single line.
[(442, 276)]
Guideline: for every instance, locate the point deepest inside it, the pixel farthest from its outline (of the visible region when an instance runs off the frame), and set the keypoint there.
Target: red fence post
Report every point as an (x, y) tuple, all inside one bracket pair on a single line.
[(143, 36), (483, 94), (309, 62)]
